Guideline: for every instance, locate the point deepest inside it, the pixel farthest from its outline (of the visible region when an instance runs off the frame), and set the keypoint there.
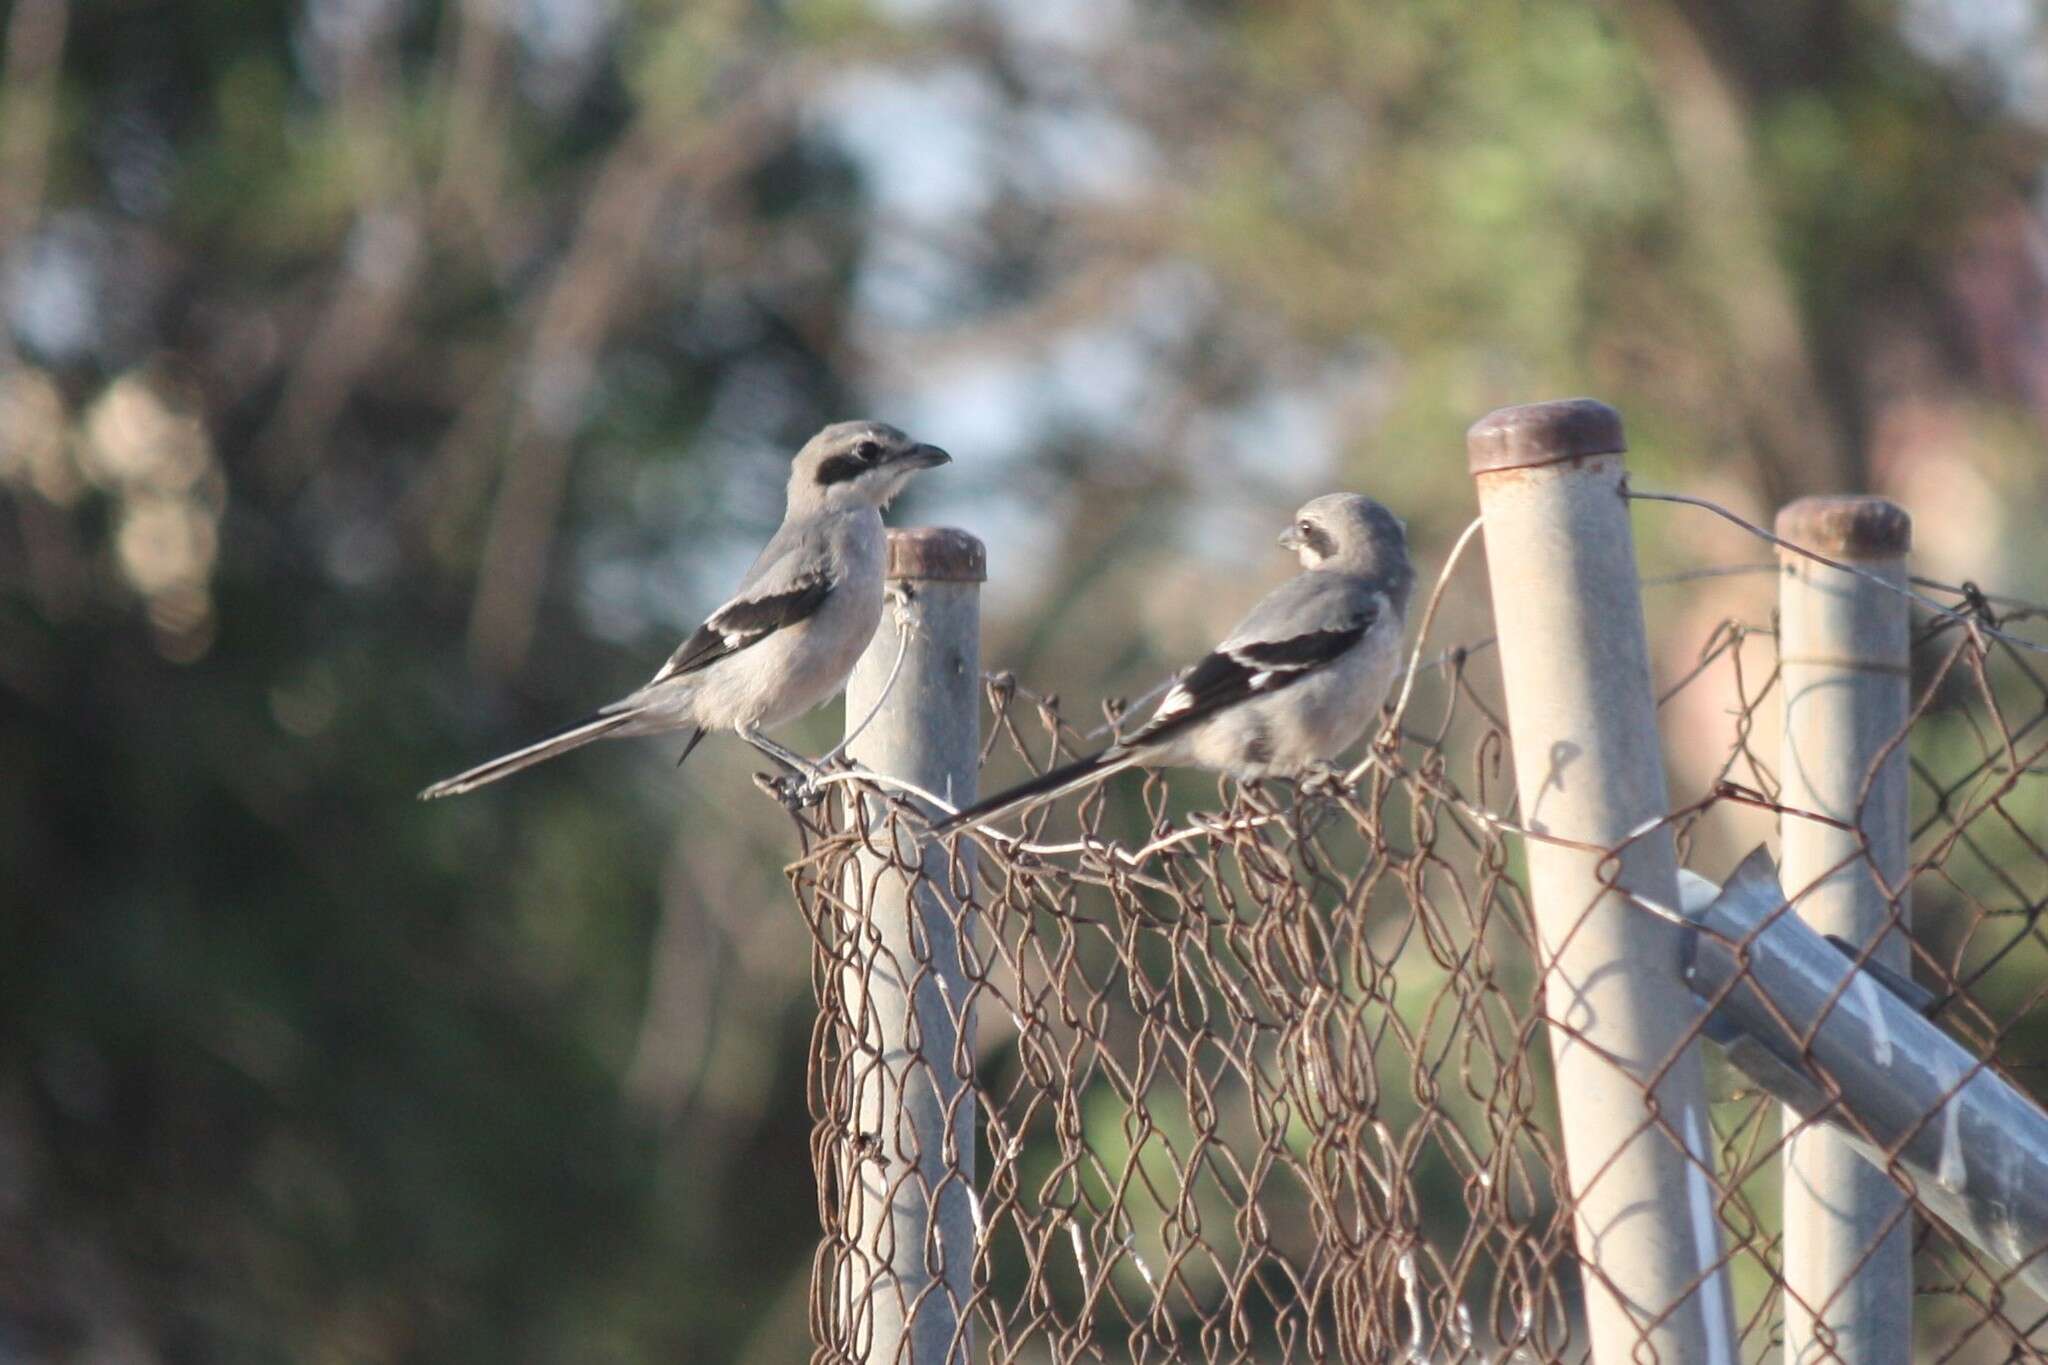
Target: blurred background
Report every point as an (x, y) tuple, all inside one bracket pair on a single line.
[(384, 381)]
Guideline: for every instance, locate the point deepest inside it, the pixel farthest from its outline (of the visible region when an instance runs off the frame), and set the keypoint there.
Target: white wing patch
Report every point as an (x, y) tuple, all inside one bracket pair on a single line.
[(734, 633), (1240, 670), (747, 621), (1173, 703)]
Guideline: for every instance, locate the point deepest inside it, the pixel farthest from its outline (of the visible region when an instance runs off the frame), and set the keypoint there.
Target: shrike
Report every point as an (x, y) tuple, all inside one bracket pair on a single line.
[(1292, 686), (791, 634)]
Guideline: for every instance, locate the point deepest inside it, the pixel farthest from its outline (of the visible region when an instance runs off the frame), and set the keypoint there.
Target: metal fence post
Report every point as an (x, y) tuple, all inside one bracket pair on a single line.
[(1843, 662), (908, 1183), (1568, 609), (1853, 1050)]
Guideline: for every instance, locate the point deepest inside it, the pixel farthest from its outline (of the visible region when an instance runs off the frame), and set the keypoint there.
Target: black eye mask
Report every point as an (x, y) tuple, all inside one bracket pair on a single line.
[(840, 468)]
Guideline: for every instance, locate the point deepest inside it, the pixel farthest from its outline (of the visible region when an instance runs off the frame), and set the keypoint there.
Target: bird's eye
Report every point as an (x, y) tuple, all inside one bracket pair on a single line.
[(1303, 526), (867, 452)]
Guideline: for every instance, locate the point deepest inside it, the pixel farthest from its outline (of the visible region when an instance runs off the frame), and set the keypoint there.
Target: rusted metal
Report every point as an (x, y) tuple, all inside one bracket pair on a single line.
[(1848, 526), (941, 554), (1535, 434), (1258, 1077)]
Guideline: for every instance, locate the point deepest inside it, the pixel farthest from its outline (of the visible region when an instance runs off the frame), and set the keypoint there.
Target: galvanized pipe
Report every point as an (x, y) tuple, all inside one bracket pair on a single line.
[(1843, 668), (908, 1178), (1838, 1045), (1575, 663)]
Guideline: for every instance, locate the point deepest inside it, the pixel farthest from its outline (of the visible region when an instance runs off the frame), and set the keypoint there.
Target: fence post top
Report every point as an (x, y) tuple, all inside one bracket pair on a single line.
[(1848, 526), (1543, 433), (946, 553)]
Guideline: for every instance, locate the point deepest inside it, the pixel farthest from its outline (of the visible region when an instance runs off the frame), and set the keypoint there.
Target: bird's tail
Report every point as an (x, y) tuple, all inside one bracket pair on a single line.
[(1047, 786), (560, 742)]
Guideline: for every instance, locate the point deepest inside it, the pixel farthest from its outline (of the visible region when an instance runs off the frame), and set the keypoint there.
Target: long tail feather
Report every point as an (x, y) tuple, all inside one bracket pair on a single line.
[(561, 742), (1047, 786)]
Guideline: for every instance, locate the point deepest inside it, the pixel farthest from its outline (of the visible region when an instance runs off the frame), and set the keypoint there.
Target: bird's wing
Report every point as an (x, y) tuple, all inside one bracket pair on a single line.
[(777, 593), (1302, 625)]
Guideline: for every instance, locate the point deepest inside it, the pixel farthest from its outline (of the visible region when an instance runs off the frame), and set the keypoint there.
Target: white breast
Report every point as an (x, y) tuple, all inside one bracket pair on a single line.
[(799, 667), (1308, 722)]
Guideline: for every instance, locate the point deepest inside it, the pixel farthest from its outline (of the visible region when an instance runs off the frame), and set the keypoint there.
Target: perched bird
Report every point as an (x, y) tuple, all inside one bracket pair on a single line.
[(1292, 686), (793, 631)]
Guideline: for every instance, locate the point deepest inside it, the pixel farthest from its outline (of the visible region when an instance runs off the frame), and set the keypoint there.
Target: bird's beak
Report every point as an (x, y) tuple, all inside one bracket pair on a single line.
[(1290, 539), (924, 457)]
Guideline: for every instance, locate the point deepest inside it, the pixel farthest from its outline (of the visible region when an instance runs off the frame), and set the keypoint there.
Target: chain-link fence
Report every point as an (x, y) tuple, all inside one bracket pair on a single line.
[(1184, 1070)]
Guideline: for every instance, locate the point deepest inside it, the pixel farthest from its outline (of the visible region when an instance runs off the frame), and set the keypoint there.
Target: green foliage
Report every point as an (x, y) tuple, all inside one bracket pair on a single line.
[(424, 372)]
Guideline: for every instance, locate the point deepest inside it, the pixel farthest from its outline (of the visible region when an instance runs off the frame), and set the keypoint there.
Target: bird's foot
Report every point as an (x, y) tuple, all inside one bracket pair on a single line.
[(1321, 778), (794, 791), (812, 784), (801, 781)]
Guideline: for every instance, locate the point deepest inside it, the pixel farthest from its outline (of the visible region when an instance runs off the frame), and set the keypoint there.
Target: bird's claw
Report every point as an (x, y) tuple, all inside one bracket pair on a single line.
[(795, 791), (806, 789), (1322, 778)]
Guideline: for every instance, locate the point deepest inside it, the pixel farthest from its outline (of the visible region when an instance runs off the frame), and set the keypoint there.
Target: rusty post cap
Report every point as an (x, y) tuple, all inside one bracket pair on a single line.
[(1543, 433), (1848, 526), (945, 553)]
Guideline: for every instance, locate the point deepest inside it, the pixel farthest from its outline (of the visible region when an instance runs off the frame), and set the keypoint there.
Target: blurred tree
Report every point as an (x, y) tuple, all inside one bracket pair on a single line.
[(383, 381)]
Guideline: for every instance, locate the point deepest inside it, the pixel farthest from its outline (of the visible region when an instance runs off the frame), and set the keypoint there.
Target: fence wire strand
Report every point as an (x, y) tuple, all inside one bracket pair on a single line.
[(1263, 1073)]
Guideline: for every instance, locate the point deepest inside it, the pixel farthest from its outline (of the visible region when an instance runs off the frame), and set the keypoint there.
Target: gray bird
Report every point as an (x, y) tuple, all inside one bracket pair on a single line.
[(793, 631), (1294, 685)]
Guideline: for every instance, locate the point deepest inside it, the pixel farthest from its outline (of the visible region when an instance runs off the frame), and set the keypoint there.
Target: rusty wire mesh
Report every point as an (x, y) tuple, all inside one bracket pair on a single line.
[(1262, 1074)]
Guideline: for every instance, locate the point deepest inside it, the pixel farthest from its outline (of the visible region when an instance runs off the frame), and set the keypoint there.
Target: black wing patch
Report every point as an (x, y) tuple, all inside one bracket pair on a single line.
[(743, 622), (1229, 676)]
